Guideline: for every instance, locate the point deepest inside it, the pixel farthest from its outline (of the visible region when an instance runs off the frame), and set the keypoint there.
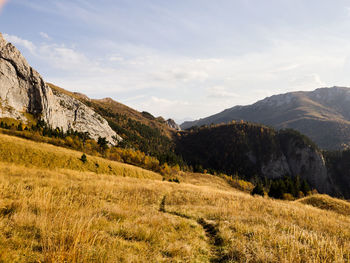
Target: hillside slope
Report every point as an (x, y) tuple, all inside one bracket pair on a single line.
[(69, 214), (327, 203), (108, 106), (45, 156), (323, 115), (139, 130)]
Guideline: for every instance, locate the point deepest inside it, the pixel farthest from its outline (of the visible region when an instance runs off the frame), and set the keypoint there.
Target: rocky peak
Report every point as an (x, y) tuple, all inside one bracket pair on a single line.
[(276, 100), (331, 95), (173, 125), (23, 91)]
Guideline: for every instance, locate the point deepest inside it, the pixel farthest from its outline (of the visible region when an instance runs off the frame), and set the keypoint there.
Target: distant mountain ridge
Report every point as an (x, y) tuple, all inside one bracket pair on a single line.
[(322, 114)]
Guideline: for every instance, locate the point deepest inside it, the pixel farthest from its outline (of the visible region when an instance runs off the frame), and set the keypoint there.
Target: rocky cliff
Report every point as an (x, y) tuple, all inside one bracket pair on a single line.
[(23, 92), (251, 150), (304, 159), (173, 125)]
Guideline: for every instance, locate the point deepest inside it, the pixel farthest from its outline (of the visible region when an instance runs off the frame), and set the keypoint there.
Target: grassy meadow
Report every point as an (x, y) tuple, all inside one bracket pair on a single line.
[(33, 154), (55, 208)]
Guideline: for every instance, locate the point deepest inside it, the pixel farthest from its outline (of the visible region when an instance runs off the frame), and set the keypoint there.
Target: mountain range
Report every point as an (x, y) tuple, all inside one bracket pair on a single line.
[(322, 114)]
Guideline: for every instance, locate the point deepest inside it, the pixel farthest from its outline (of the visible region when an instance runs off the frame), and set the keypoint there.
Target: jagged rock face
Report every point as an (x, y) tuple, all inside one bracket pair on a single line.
[(299, 159), (21, 87), (276, 167), (66, 112), (255, 151), (173, 125), (22, 90), (303, 161), (309, 164)]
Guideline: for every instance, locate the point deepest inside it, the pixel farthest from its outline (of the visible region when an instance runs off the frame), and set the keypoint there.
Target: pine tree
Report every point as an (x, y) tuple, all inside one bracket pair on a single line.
[(83, 158), (258, 190), (103, 143), (277, 189), (305, 188)]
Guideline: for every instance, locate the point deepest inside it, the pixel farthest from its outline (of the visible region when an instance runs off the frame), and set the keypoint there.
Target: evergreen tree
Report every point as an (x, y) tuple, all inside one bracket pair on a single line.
[(20, 127), (305, 188), (83, 158), (103, 143), (258, 190), (277, 189)]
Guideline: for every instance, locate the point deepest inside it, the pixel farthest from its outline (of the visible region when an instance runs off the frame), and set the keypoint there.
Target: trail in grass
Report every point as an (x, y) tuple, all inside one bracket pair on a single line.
[(211, 230)]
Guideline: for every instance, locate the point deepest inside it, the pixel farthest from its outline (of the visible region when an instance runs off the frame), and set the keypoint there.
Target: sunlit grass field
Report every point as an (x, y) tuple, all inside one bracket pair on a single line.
[(55, 208), (41, 155)]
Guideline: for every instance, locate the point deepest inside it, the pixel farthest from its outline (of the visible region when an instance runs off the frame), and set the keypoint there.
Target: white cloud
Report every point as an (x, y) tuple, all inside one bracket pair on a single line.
[(57, 56), (17, 41), (306, 81), (64, 58), (45, 35), (116, 58), (220, 92), (283, 68), (134, 98), (179, 86), (163, 106)]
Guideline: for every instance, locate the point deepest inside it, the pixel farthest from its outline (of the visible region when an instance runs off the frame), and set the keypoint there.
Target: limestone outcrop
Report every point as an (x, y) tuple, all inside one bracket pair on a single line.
[(307, 162), (23, 91), (173, 125), (297, 158)]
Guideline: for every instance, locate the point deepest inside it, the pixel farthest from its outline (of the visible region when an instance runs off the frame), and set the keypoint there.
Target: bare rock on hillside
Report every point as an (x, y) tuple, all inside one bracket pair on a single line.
[(23, 92), (308, 163), (173, 125)]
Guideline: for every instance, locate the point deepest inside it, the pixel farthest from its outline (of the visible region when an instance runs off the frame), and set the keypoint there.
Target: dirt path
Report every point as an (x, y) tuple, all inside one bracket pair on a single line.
[(211, 230)]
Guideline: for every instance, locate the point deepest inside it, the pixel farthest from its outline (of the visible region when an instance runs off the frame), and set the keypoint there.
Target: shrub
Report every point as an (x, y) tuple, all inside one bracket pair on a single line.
[(176, 180), (83, 158), (301, 194), (288, 196), (277, 189), (103, 143), (258, 190)]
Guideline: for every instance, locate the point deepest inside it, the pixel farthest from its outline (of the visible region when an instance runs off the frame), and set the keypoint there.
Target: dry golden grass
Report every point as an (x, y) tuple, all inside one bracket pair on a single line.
[(327, 203), (256, 229), (60, 211), (204, 180), (33, 154), (71, 216)]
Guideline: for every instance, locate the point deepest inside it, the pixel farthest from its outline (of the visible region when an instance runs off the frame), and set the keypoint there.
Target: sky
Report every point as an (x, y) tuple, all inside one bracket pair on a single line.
[(183, 59)]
